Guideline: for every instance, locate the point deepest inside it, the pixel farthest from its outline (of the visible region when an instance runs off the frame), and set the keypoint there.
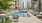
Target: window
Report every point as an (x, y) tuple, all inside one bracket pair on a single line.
[(34, 0)]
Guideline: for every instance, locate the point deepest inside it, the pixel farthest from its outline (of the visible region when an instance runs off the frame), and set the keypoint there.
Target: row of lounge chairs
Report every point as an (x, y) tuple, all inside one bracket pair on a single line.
[(37, 14)]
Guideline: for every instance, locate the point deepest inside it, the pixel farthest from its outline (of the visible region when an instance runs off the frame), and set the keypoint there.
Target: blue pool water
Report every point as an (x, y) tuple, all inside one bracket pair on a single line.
[(20, 13)]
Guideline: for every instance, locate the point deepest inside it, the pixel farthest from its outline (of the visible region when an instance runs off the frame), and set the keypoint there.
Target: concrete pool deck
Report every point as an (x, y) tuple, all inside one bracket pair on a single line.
[(31, 19)]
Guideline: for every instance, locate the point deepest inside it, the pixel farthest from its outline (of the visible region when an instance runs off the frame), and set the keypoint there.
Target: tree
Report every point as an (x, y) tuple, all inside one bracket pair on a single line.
[(5, 4)]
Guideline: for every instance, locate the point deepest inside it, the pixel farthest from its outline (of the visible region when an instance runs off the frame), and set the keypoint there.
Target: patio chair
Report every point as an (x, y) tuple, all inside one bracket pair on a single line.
[(35, 13), (39, 16), (15, 17)]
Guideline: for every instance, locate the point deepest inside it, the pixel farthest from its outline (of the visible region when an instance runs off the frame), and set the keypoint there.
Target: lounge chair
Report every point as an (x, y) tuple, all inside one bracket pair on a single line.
[(35, 13), (15, 17), (39, 16)]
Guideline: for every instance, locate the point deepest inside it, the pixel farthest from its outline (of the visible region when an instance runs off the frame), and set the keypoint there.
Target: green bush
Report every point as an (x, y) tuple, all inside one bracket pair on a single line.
[(5, 4), (0, 18), (7, 20)]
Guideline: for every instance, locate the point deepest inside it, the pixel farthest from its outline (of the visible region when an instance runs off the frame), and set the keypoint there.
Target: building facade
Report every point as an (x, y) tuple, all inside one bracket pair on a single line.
[(35, 4), (21, 5), (41, 5), (29, 3), (16, 4)]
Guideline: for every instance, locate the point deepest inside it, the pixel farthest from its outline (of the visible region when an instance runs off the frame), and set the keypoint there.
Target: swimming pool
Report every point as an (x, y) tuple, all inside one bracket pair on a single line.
[(21, 14)]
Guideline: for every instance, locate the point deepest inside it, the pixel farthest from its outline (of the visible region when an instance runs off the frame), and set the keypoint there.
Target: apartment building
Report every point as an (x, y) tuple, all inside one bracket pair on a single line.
[(21, 5), (28, 3), (25, 3), (36, 4), (41, 5)]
